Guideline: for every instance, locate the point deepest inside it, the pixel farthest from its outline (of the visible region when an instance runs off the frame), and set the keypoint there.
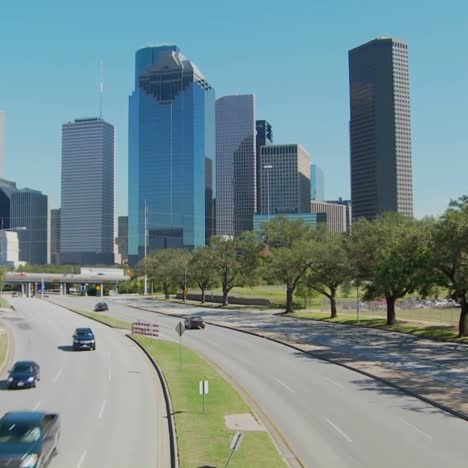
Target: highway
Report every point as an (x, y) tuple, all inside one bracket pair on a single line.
[(105, 398), (331, 416)]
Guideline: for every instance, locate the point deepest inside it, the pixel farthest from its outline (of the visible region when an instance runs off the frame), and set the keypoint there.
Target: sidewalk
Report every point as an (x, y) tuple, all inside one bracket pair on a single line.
[(434, 370)]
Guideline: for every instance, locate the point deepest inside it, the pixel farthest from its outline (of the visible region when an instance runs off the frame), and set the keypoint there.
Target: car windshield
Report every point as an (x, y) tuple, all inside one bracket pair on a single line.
[(84, 332), (22, 368), (19, 433)]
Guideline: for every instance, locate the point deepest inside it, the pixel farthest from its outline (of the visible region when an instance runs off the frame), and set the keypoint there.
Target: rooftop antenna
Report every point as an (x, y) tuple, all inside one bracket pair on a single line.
[(101, 89)]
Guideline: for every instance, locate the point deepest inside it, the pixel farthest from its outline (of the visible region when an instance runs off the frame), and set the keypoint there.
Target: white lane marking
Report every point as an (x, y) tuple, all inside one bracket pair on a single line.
[(109, 375), (101, 411), (36, 405), (334, 382), (57, 376), (337, 429), (416, 429), (82, 459), (284, 385)]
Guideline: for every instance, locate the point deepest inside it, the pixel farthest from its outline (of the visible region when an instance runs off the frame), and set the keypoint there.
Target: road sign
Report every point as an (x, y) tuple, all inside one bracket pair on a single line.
[(98, 288), (236, 441), (203, 387), (180, 328)]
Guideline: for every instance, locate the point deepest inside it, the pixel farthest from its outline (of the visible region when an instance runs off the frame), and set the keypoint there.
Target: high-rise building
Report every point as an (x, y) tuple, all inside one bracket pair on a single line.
[(335, 215), (236, 190), (264, 137), (380, 129), (284, 179), (9, 249), (2, 141), (30, 213), (317, 185), (87, 209), (349, 211), (122, 239), (55, 236), (7, 188), (171, 153)]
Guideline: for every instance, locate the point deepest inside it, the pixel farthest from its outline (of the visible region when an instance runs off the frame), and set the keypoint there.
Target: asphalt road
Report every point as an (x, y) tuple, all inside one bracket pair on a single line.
[(106, 398), (331, 416)]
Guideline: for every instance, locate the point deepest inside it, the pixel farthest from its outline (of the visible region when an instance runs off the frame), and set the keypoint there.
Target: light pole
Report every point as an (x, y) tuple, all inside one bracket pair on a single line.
[(268, 167)]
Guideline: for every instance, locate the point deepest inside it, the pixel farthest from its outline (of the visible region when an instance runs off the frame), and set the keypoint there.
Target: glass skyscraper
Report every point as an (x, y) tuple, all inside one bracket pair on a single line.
[(317, 185), (171, 153)]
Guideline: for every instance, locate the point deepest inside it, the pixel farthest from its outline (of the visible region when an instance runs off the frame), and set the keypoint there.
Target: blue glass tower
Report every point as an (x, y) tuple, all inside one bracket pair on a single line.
[(171, 153)]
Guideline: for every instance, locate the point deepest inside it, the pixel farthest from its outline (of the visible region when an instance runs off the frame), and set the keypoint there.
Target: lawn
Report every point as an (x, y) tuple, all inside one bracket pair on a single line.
[(4, 303), (3, 346), (434, 332), (113, 322), (203, 439)]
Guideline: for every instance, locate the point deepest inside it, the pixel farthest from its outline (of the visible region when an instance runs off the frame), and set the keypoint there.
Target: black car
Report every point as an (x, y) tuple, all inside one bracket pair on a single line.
[(101, 306), (24, 374), (84, 339), (28, 439), (194, 323)]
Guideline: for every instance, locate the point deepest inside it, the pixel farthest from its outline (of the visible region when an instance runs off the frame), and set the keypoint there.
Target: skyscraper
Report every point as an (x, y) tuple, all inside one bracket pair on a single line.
[(122, 239), (2, 141), (55, 236), (264, 137), (87, 211), (317, 186), (380, 129), (236, 190), (29, 209), (171, 152), (7, 188), (284, 179)]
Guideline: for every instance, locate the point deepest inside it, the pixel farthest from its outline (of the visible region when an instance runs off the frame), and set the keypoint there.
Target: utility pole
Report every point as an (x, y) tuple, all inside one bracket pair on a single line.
[(146, 248)]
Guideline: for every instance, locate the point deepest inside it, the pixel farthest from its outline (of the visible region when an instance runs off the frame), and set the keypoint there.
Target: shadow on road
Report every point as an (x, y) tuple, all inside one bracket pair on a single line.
[(4, 385), (66, 348)]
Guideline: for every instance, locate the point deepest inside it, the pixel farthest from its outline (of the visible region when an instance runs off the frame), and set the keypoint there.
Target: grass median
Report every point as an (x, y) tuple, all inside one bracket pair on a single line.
[(3, 346), (113, 322), (433, 332), (204, 439)]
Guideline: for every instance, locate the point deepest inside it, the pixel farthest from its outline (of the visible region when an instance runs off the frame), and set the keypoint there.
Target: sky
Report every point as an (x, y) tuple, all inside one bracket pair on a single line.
[(291, 55)]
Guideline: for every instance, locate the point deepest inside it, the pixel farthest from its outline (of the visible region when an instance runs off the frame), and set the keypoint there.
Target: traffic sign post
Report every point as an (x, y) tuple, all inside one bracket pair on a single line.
[(180, 328), (203, 386), (235, 444)]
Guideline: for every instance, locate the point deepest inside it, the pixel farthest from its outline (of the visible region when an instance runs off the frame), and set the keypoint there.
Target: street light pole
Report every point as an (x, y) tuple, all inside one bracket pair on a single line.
[(146, 248), (268, 167)]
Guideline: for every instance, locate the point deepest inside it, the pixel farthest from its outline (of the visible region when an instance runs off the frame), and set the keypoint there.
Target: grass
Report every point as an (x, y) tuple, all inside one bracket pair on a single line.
[(3, 346), (113, 322), (4, 303), (433, 332), (203, 439)]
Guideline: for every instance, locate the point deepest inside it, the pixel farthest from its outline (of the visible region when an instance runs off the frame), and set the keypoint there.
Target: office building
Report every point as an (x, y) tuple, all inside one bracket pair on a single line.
[(380, 129), (284, 179), (7, 188), (9, 249), (333, 214), (87, 208), (317, 186), (30, 214), (236, 191), (171, 153), (122, 239), (55, 236), (2, 142), (310, 219), (349, 211), (264, 137)]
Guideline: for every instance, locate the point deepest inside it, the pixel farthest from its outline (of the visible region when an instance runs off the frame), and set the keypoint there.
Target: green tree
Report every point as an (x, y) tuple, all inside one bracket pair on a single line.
[(160, 270), (289, 254), (450, 255), (202, 270), (235, 260), (179, 270), (391, 255), (330, 268)]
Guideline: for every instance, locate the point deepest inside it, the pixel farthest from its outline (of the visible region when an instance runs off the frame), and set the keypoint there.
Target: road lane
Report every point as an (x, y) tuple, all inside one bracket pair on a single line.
[(105, 422), (378, 421)]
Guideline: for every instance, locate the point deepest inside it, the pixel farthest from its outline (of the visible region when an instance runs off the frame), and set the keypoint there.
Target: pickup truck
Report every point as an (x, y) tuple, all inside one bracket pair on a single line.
[(28, 439)]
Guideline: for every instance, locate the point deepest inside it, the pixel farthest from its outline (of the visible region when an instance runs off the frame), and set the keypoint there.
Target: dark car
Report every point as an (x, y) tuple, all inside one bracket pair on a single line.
[(28, 439), (84, 339), (193, 323), (24, 374), (101, 306)]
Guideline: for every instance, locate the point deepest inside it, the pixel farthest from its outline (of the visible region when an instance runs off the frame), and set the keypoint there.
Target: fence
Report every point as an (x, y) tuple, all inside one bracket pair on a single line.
[(145, 328)]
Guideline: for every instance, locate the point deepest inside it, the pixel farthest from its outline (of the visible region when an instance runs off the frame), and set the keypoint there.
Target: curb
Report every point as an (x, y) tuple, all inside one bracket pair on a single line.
[(420, 397), (169, 410)]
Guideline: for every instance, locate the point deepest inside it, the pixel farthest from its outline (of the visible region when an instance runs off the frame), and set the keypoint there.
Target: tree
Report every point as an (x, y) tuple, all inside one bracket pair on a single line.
[(202, 270), (235, 260), (391, 254), (330, 267), (179, 269), (290, 256), (450, 255)]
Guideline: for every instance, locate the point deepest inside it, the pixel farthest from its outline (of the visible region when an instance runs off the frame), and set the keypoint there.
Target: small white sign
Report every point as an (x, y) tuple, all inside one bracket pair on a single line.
[(236, 441), (203, 386), (180, 328)]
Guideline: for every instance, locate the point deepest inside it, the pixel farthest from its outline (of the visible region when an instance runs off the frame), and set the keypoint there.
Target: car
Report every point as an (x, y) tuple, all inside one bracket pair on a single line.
[(28, 439), (24, 374), (101, 306), (194, 323), (84, 339)]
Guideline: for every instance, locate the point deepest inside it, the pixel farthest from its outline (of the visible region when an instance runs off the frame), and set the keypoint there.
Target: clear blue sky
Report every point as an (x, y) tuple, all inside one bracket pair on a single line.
[(291, 55)]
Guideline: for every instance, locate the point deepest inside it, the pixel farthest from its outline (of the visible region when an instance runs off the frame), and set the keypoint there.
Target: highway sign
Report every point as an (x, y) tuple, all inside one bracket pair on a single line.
[(180, 328), (236, 441), (203, 387)]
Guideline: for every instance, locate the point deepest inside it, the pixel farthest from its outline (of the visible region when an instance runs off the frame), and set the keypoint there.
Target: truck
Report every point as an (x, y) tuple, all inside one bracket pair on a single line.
[(28, 439)]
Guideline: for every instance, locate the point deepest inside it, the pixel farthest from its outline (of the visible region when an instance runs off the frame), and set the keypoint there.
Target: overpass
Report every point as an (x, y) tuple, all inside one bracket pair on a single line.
[(32, 282)]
